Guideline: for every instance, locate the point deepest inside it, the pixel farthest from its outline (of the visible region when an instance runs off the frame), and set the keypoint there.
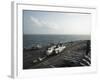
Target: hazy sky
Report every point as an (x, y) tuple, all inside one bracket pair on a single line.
[(39, 22)]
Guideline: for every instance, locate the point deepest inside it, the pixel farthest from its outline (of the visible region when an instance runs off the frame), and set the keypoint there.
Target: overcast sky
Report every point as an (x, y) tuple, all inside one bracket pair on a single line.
[(40, 22)]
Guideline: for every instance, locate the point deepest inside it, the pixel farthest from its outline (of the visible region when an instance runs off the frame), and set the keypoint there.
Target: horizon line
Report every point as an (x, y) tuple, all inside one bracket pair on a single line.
[(56, 34)]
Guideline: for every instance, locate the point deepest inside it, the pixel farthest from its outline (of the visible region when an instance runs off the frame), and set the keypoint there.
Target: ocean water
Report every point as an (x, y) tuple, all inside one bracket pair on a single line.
[(30, 40)]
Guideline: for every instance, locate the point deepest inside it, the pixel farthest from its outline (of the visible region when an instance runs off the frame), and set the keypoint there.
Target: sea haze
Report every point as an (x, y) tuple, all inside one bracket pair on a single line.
[(30, 40)]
